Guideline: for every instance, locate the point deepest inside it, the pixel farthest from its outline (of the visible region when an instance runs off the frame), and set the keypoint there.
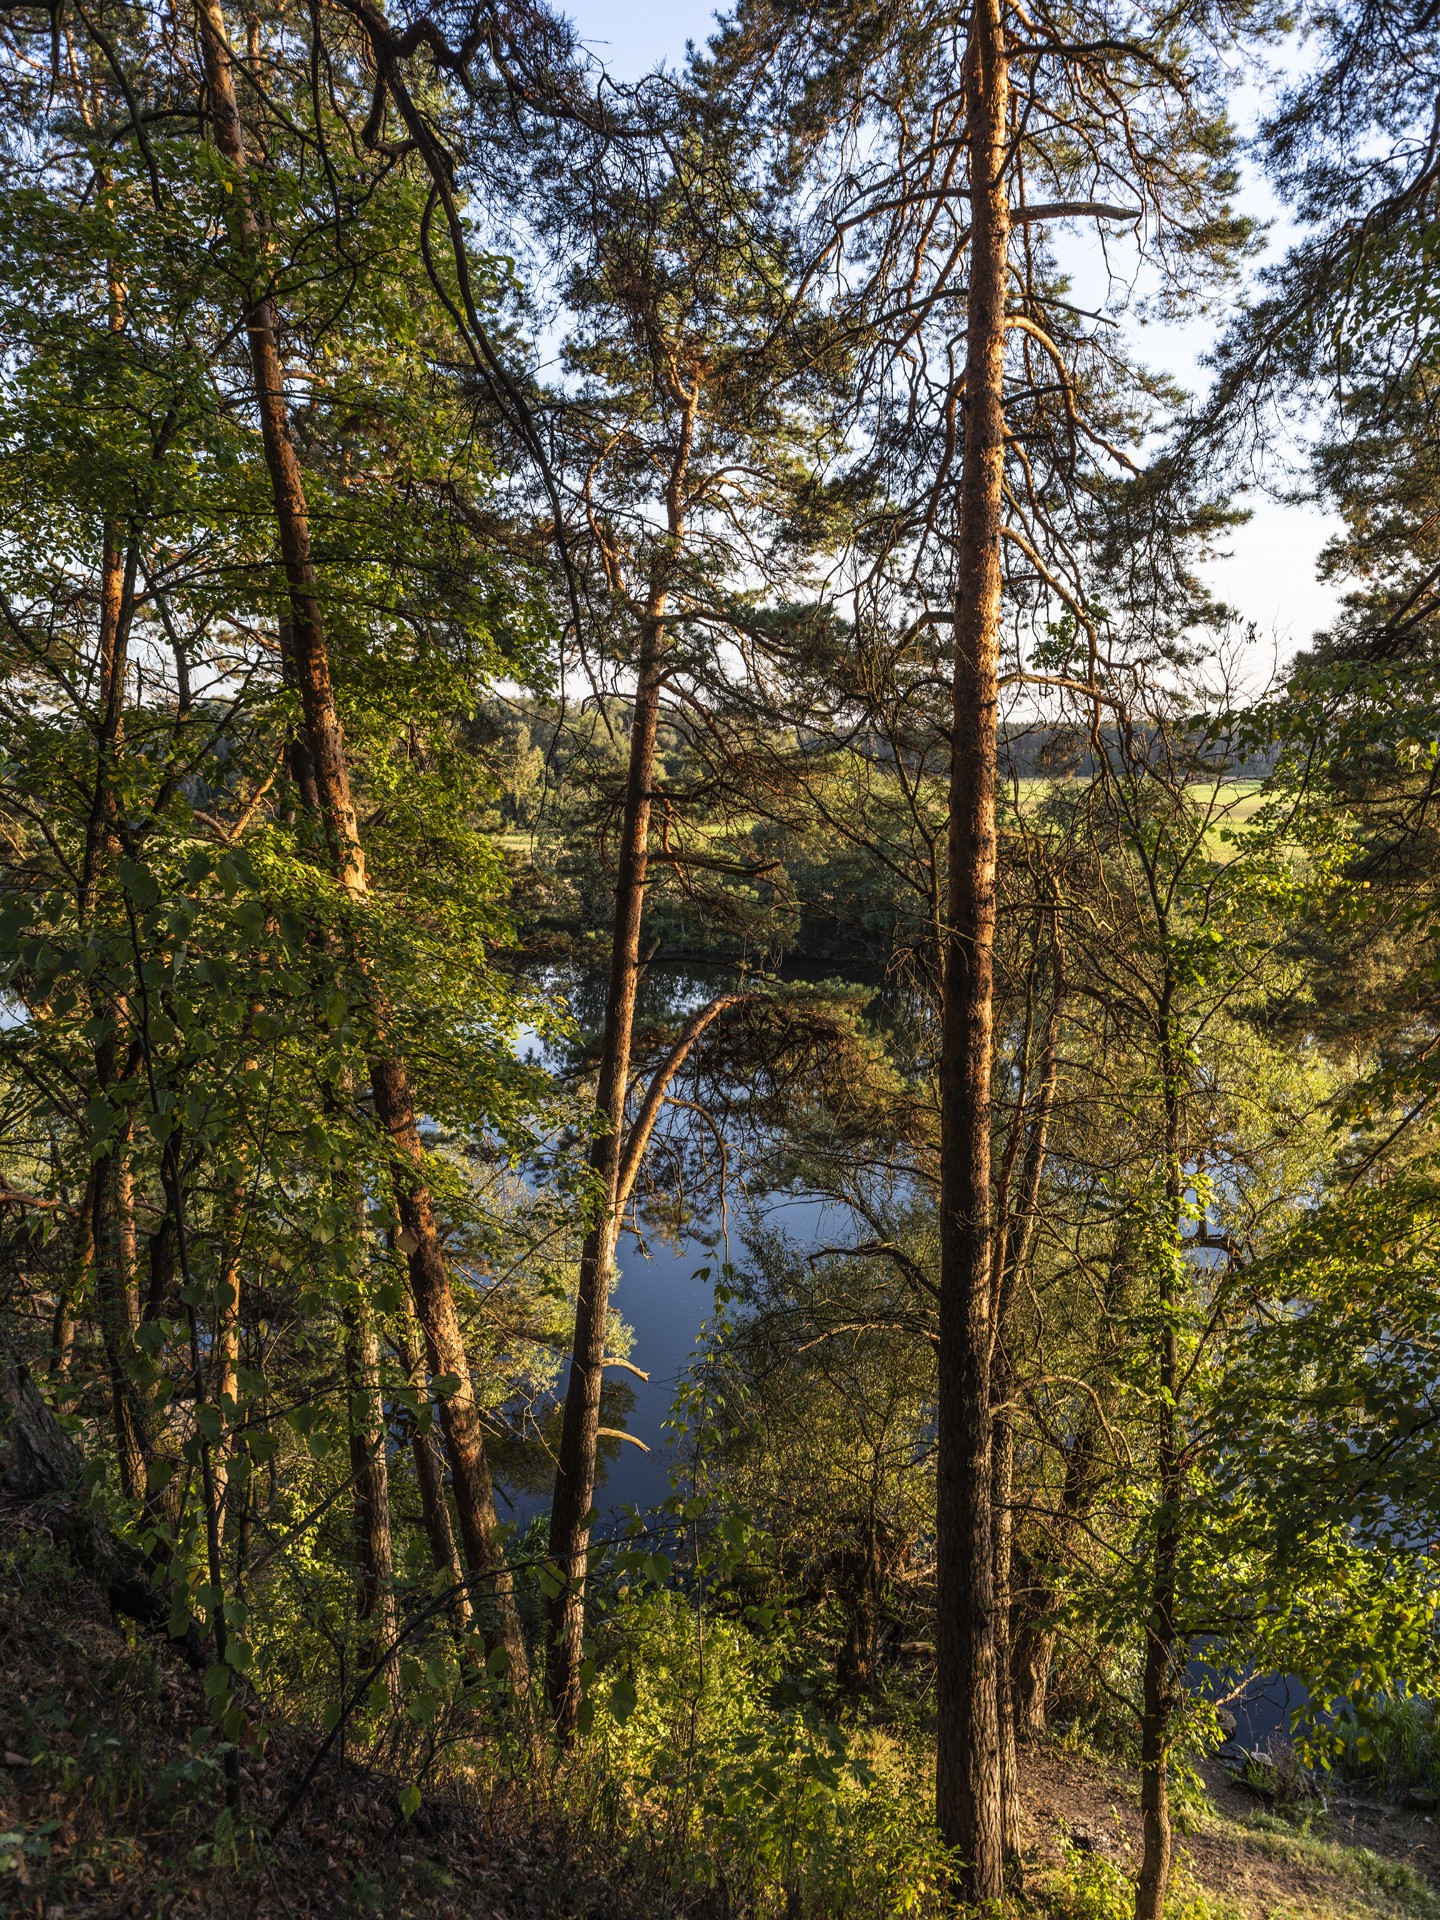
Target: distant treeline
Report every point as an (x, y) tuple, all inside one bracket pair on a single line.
[(1032, 752)]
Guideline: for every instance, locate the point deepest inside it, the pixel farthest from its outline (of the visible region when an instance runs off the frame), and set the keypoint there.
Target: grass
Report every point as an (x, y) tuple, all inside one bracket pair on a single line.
[(1395, 1883)]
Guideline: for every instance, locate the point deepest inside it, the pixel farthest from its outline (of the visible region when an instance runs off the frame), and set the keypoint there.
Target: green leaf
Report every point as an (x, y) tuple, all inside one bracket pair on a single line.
[(160, 1029), (140, 883), (622, 1700)]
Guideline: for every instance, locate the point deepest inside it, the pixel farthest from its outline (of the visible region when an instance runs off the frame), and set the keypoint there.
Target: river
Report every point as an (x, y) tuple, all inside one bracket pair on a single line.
[(664, 1292)]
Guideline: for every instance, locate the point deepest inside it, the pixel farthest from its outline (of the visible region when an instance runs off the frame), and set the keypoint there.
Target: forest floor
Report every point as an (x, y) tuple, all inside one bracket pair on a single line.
[(1353, 1857), (106, 1810)]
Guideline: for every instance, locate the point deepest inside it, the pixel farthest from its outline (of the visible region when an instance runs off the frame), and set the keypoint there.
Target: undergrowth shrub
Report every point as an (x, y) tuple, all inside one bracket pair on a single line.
[(1390, 1740), (700, 1755), (1087, 1886)]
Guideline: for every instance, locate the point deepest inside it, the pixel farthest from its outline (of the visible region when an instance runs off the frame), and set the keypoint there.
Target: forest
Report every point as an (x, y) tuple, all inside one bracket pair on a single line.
[(719, 1108)]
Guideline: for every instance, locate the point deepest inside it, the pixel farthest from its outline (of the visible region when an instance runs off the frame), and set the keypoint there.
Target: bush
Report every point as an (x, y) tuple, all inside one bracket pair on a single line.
[(698, 1755)]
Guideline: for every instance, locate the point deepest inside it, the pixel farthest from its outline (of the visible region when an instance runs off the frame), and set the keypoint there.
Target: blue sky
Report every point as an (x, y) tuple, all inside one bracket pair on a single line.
[(1269, 576), (631, 36)]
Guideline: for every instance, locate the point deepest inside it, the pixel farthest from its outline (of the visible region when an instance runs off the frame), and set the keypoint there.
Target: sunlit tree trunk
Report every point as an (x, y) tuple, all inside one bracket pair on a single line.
[(225, 1345), (328, 767), (575, 1462)]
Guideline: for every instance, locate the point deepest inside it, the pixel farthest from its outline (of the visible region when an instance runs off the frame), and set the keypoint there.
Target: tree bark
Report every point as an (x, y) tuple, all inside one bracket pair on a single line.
[(493, 1595), (370, 1479), (41, 1469), (225, 1350), (574, 1493), (72, 1289), (967, 1777), (1012, 1256), (1034, 1649), (328, 767), (116, 1296), (430, 1479), (113, 1240)]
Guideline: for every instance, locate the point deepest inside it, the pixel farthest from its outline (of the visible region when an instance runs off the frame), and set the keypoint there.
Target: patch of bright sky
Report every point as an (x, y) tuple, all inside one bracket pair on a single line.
[(1268, 569)]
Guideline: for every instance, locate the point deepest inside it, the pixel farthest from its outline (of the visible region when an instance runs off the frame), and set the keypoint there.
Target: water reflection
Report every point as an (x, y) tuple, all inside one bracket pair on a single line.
[(664, 1288)]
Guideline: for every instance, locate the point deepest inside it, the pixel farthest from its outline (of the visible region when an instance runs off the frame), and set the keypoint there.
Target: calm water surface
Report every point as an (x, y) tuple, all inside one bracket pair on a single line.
[(664, 1291)]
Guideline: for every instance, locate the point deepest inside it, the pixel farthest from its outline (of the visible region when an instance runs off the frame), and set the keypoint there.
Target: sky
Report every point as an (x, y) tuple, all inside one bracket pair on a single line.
[(1268, 572)]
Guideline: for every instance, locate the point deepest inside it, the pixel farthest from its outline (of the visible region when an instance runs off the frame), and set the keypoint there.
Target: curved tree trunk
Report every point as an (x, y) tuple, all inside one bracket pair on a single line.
[(574, 1493), (1034, 1649)]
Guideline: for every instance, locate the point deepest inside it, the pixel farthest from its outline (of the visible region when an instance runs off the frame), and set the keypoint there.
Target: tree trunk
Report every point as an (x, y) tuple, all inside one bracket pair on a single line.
[(1012, 1257), (370, 1479), (430, 1479), (1159, 1685), (41, 1469), (1157, 1706), (967, 1779), (116, 1295), (493, 1594), (111, 1190), (575, 1463), (1002, 1441), (225, 1350), (1033, 1652), (72, 1288), (328, 767)]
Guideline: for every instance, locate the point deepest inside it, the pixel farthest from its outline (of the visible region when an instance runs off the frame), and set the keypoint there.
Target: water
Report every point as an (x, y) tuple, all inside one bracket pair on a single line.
[(660, 1296), (665, 1292), (665, 1281)]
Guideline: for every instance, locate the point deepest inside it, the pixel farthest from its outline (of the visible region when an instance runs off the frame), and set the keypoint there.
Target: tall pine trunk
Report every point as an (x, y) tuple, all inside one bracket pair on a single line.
[(574, 1493), (328, 767), (967, 1775)]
